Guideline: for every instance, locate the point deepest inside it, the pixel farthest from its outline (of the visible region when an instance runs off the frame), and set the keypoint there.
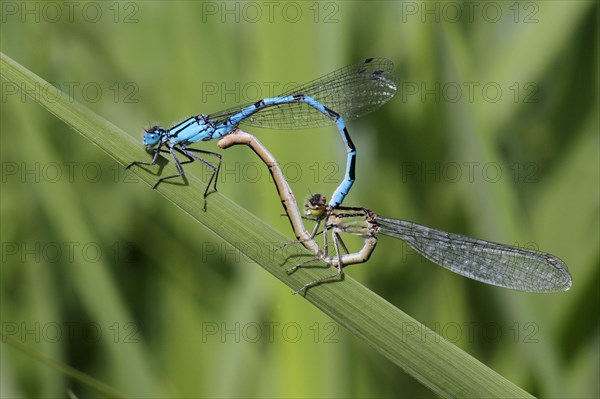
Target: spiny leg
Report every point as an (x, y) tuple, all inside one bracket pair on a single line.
[(344, 247), (215, 170), (312, 236), (322, 256), (191, 156), (154, 158), (215, 154), (337, 275), (177, 164)]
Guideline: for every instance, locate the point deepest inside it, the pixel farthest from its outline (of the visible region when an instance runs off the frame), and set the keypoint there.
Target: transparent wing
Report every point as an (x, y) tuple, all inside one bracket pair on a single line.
[(352, 91), (492, 263)]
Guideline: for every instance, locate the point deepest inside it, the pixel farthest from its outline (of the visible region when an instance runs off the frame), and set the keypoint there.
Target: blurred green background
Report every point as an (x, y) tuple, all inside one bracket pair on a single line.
[(493, 134)]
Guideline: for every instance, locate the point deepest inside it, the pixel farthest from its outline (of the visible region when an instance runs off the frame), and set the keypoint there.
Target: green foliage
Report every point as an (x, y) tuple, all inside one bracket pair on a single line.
[(102, 274)]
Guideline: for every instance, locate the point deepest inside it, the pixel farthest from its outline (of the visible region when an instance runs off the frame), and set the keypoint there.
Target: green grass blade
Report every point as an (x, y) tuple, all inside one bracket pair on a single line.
[(77, 375), (438, 364)]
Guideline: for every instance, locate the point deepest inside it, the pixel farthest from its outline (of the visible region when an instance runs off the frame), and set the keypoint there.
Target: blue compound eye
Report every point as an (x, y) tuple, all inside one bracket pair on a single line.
[(152, 137)]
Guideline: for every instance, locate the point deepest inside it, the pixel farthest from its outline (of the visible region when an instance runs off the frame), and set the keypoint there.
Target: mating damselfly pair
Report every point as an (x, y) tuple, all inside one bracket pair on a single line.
[(343, 95)]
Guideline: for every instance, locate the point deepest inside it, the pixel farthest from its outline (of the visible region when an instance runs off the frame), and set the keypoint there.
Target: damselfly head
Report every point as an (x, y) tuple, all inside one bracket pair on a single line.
[(315, 205), (153, 136)]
